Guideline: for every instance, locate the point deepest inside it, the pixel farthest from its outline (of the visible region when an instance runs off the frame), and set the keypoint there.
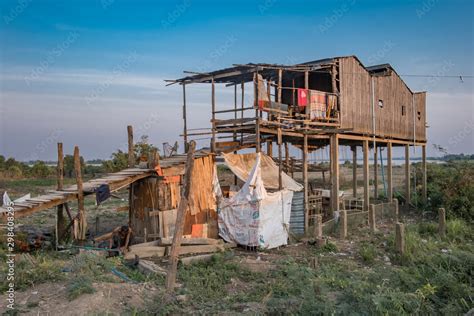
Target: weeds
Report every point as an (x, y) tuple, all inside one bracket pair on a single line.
[(78, 286), (367, 252)]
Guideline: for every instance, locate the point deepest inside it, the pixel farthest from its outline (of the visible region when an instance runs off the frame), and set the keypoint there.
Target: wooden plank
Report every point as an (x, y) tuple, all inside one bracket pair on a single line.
[(179, 226), (191, 241), (145, 252), (199, 249)]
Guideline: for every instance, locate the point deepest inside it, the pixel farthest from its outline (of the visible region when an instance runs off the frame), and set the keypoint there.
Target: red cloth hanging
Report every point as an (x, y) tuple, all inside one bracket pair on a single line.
[(302, 97)]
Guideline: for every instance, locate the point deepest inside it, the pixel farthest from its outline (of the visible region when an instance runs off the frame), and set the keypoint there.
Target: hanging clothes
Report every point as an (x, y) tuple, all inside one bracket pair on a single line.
[(102, 193)]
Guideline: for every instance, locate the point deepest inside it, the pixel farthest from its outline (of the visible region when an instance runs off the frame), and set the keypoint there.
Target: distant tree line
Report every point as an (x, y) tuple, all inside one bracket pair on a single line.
[(13, 169)]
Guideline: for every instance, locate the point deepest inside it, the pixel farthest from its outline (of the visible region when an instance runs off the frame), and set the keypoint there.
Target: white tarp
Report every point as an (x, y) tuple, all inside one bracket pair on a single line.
[(253, 216), (242, 164)]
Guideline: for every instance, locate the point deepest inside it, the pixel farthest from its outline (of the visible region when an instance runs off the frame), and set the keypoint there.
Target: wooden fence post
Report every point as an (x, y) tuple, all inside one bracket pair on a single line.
[(442, 222), (82, 220), (318, 226), (395, 201), (181, 214), (372, 217), (343, 226), (131, 153), (400, 238)]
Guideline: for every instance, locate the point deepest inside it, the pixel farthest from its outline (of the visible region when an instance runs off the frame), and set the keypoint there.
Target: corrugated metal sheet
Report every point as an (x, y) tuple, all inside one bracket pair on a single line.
[(297, 214)]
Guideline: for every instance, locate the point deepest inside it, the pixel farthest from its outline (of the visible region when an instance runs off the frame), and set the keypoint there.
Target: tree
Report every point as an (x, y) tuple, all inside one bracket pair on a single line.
[(118, 162), (41, 170), (143, 148), (69, 166)]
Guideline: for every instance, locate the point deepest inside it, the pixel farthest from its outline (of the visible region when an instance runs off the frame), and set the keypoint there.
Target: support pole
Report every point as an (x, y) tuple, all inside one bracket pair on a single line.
[(257, 117), (376, 184), (213, 101), (389, 172), (407, 177), (280, 162), (318, 226), (60, 222), (270, 148), (334, 143), (185, 127), (180, 217), (305, 182), (235, 133), (354, 171), (131, 154), (80, 196), (423, 171), (365, 149), (287, 157)]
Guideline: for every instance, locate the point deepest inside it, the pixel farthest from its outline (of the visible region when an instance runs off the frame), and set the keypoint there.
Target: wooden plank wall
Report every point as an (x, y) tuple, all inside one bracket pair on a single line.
[(152, 196), (355, 96), (356, 103)]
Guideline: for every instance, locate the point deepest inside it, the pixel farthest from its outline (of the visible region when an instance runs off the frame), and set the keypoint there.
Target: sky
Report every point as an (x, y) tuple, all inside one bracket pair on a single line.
[(79, 72)]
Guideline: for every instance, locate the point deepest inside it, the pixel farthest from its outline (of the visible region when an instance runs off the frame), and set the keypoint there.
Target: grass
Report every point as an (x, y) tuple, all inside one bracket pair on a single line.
[(368, 252)]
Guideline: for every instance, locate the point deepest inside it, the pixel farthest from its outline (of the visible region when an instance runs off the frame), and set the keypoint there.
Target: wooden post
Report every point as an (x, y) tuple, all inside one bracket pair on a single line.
[(131, 153), (400, 238), (305, 182), (334, 143), (372, 217), (287, 157), (343, 226), (365, 149), (257, 117), (318, 226), (280, 162), (389, 172), (185, 128), (407, 177), (397, 212), (213, 102), (354, 171), (80, 196), (270, 148), (180, 217), (423, 171), (242, 105), (60, 222), (442, 222), (376, 184)]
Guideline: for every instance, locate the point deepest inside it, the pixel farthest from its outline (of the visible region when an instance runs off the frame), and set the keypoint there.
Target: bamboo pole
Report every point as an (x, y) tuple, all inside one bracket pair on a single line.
[(389, 172), (365, 149), (180, 217)]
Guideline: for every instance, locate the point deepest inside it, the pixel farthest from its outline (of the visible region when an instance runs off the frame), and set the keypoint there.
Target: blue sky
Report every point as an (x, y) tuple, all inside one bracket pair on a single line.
[(80, 71)]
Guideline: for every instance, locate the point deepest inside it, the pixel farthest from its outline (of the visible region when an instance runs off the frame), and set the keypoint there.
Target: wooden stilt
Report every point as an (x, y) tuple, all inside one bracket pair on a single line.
[(82, 220), (270, 148), (407, 177), (389, 172), (365, 149), (287, 157), (280, 162), (376, 184), (334, 143), (305, 183), (180, 217), (423, 171), (354, 171)]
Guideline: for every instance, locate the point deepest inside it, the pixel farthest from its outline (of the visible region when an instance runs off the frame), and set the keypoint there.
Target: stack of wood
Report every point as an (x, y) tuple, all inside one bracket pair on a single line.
[(161, 247)]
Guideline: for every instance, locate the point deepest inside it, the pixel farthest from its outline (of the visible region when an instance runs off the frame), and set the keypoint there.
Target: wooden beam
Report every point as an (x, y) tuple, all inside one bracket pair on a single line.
[(131, 153), (424, 175), (354, 171), (407, 176), (389, 172), (359, 138), (376, 185), (365, 149), (334, 143), (180, 217), (80, 196)]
